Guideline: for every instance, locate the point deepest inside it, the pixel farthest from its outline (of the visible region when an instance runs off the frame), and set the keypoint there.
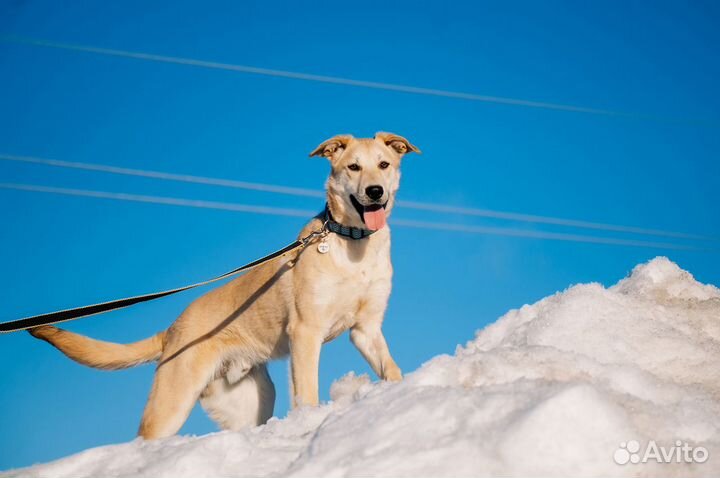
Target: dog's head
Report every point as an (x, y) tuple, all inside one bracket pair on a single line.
[(365, 177)]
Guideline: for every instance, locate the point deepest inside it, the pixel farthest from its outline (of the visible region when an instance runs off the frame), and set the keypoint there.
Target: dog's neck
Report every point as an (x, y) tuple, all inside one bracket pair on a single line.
[(343, 213), (345, 220), (351, 232)]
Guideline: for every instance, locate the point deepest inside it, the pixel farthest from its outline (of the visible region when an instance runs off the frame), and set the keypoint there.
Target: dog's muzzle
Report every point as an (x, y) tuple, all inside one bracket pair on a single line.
[(373, 215)]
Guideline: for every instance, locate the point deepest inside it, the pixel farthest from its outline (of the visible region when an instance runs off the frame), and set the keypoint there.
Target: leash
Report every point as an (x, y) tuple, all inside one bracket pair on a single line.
[(88, 310)]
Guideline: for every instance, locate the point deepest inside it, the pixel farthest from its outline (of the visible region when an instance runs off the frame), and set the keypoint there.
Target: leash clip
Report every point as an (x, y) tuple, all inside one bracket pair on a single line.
[(322, 233), (324, 247)]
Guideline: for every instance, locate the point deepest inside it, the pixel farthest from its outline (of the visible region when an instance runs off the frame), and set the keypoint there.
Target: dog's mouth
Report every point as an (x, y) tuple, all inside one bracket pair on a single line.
[(373, 215)]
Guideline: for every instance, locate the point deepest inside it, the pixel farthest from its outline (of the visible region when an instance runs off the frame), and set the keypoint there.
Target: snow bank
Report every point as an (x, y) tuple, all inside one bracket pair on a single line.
[(551, 389)]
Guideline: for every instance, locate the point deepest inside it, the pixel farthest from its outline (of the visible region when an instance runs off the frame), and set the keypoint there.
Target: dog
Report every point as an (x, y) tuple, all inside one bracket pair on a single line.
[(217, 349)]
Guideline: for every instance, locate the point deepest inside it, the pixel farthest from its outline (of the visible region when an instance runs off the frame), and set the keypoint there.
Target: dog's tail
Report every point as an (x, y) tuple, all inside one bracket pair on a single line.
[(99, 354)]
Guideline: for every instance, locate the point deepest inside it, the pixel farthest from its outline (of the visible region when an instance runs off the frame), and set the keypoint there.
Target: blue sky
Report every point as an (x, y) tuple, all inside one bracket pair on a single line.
[(655, 58)]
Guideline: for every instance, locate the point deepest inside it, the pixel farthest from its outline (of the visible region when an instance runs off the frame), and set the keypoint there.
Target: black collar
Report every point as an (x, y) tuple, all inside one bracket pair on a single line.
[(346, 231)]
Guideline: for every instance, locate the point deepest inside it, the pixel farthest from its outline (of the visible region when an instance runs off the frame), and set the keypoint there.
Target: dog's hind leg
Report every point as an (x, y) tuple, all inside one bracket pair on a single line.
[(240, 398), (179, 380)]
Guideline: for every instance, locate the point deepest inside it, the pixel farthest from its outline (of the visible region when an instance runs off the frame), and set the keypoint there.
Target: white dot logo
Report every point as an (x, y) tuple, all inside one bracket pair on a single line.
[(628, 452), (678, 451)]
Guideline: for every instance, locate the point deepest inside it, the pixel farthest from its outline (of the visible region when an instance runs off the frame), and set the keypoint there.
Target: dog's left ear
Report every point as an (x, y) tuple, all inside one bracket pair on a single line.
[(397, 143)]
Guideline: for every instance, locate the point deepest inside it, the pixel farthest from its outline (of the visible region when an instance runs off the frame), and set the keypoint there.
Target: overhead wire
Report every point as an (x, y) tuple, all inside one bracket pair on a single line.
[(377, 85), (276, 211), (306, 192)]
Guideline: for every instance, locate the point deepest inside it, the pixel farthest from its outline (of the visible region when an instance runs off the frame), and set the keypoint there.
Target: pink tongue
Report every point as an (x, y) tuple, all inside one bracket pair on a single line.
[(374, 220)]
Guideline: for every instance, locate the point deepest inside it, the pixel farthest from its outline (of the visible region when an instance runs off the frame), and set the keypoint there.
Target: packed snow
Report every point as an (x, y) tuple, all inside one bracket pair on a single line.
[(563, 387)]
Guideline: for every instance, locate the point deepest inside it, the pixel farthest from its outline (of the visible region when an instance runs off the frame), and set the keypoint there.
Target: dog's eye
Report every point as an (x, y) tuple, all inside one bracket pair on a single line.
[(354, 167), (383, 165)]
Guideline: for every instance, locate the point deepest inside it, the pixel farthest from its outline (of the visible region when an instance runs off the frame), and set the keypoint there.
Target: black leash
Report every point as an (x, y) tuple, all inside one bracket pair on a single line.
[(88, 310)]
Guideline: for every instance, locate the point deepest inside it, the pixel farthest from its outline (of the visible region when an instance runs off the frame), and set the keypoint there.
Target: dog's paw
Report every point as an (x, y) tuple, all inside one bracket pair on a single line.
[(393, 374)]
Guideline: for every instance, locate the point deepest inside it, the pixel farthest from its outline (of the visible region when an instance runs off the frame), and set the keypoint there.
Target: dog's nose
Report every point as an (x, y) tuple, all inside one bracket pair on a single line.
[(374, 192)]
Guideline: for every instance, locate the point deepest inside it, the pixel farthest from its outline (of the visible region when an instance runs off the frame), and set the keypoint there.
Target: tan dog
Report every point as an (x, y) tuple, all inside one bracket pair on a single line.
[(217, 349)]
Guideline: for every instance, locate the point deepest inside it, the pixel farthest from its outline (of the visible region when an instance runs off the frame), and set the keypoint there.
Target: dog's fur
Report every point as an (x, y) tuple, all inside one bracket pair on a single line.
[(217, 349)]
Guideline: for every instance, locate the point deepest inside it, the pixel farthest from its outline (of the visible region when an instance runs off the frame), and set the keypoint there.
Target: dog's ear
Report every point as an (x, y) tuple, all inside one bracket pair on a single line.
[(332, 146), (397, 143)]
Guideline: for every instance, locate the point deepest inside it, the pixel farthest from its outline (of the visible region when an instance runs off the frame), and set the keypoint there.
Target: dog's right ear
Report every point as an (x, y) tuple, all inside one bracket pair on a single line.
[(332, 146)]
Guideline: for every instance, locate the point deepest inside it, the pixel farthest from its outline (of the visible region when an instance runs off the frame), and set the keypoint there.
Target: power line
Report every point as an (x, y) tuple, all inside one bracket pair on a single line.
[(347, 81), (512, 216), (294, 191), (168, 201), (307, 214), (186, 178), (502, 231)]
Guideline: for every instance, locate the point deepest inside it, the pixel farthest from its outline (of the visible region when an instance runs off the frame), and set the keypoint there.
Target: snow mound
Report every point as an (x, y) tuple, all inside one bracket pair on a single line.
[(551, 389)]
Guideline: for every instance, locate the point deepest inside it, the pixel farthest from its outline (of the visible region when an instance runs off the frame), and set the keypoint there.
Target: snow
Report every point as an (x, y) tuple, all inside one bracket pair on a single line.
[(551, 389)]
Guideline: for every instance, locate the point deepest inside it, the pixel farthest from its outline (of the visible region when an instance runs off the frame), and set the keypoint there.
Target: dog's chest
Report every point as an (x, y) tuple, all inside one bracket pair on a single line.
[(350, 280), (357, 276)]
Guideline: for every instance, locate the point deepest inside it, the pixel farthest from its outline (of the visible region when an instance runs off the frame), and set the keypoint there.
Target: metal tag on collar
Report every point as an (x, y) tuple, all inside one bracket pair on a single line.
[(323, 246)]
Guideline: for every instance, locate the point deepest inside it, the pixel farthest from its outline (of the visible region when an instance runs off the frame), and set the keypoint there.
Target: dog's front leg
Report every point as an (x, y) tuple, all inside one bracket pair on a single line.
[(370, 341), (305, 343)]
